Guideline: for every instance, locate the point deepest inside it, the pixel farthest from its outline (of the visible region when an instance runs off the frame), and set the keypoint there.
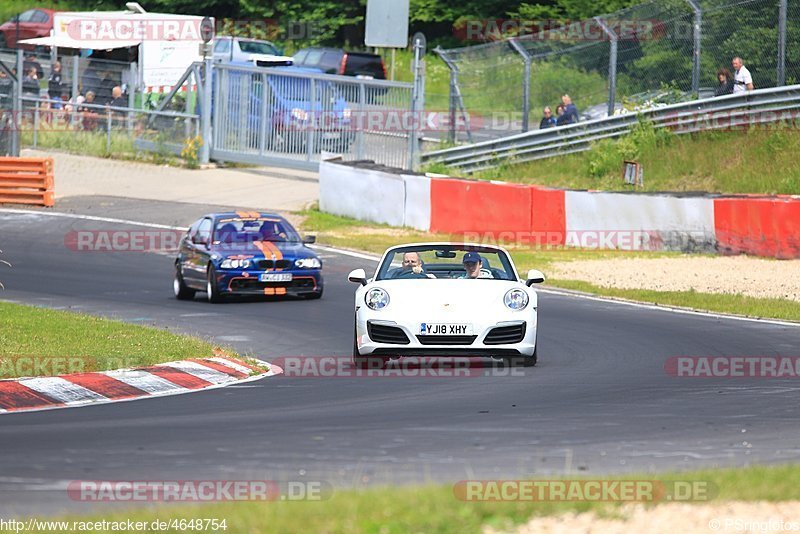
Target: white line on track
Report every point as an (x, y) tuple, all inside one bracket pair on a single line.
[(374, 258)]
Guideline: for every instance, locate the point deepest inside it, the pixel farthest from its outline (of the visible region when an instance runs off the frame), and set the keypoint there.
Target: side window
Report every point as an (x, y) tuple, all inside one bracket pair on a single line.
[(27, 16), (222, 47), (40, 16), (204, 230), (313, 58), (331, 62), (300, 57)]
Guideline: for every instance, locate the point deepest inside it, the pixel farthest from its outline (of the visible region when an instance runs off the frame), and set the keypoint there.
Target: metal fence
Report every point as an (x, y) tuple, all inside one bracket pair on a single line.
[(663, 50), (289, 117), (779, 106)]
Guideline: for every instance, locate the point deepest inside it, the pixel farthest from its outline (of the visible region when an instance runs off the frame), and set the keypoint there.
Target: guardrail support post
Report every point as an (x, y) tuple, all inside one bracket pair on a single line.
[(361, 119), (75, 74), (526, 83), (456, 100), (16, 138), (312, 121), (612, 64), (697, 34), (782, 42), (205, 114)]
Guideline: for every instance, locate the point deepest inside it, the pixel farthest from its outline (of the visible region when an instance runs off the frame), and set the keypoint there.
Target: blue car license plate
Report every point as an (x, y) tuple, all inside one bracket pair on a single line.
[(275, 277)]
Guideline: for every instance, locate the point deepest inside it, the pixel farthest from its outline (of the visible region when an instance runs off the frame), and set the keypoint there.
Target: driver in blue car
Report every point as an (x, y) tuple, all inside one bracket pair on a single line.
[(473, 264)]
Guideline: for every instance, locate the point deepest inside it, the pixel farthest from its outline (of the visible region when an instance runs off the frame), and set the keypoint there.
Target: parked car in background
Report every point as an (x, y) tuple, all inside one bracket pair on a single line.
[(260, 53), (290, 111), (338, 61), (32, 23)]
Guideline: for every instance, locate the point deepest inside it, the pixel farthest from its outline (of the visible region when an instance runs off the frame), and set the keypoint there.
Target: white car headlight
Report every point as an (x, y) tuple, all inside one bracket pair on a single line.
[(235, 264), (376, 298), (516, 299), (308, 263)]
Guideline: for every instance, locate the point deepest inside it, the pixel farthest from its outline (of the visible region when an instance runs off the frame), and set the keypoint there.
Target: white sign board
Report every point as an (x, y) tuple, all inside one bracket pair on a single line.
[(387, 23)]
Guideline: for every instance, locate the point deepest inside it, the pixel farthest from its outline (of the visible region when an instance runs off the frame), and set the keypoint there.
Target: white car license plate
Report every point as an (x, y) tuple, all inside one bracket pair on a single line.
[(445, 329), (275, 277)]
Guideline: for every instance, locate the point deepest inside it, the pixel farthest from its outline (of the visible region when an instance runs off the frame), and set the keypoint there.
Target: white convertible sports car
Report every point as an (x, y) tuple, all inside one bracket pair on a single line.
[(445, 299)]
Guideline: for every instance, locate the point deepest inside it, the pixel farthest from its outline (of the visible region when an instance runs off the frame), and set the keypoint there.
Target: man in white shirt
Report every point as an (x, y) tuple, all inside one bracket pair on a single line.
[(742, 80)]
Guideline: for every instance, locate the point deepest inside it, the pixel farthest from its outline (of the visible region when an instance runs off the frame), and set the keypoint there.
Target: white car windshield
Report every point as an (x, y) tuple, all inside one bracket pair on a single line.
[(446, 261)]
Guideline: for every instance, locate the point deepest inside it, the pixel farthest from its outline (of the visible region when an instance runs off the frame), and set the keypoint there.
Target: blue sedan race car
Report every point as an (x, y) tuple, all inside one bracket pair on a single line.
[(246, 253)]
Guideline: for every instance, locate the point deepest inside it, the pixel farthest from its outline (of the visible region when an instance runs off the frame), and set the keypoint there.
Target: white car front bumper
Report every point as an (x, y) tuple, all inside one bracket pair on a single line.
[(377, 334)]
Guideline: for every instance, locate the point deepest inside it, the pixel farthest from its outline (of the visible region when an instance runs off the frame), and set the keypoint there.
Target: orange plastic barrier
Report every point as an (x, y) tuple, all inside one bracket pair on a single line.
[(459, 206), (759, 226), (27, 181)]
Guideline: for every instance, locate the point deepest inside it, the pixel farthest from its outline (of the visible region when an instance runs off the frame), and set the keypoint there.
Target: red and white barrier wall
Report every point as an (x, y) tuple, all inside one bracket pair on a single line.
[(490, 211)]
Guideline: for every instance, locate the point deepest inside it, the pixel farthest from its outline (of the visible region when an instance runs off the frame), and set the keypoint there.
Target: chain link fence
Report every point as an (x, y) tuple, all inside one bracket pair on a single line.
[(656, 53)]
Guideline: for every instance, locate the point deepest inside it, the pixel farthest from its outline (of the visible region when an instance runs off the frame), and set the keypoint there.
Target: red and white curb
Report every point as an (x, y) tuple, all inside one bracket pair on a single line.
[(172, 378)]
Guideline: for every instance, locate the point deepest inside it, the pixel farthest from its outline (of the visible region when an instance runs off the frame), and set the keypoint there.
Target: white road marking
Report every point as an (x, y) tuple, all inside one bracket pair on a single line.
[(61, 390), (152, 384), (233, 365), (201, 371)]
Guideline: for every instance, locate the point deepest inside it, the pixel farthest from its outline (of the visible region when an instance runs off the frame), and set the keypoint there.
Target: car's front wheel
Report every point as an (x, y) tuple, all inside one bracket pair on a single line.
[(212, 291), (523, 361), (181, 290)]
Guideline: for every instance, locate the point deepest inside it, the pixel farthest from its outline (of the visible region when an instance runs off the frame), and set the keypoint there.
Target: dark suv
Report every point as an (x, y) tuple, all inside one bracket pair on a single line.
[(337, 61)]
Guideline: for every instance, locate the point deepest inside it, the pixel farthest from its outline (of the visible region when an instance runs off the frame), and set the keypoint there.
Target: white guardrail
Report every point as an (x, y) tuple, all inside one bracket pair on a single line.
[(725, 112)]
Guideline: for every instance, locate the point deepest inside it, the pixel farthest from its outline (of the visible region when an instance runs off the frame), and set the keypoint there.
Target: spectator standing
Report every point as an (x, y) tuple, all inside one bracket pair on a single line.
[(548, 121), (570, 111), (725, 86), (6, 91), (55, 85), (742, 80), (30, 61), (30, 83)]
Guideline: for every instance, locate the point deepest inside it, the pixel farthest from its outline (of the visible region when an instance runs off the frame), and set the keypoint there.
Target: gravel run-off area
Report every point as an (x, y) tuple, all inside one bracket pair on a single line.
[(724, 517), (753, 277)]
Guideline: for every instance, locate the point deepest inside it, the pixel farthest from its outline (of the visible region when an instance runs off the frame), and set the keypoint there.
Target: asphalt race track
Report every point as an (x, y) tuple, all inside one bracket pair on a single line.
[(599, 401)]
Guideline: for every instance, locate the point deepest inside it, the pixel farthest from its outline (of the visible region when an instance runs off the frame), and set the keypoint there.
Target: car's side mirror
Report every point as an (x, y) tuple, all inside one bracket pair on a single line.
[(534, 277), (358, 276), (309, 239), (200, 239)]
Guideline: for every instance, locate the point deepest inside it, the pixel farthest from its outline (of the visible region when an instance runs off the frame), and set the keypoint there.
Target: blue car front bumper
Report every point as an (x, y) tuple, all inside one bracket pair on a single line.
[(303, 282)]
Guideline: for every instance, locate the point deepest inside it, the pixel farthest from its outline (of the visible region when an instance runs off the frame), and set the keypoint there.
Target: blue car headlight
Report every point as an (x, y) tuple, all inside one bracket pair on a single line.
[(516, 299), (308, 263), (376, 298), (234, 264)]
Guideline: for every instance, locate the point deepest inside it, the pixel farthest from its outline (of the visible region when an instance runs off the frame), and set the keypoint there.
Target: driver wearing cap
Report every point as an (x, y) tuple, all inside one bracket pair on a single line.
[(472, 264)]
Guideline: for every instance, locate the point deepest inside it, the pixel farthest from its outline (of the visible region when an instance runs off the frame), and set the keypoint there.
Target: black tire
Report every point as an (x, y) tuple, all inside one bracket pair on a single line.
[(212, 292), (366, 362), (182, 292)]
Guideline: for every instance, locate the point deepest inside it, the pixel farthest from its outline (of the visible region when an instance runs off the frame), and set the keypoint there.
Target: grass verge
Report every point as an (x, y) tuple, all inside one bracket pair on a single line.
[(41, 342), (352, 234), (434, 508)]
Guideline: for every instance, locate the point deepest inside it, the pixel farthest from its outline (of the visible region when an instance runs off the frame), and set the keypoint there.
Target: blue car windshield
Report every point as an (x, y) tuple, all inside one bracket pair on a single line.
[(294, 88), (251, 229)]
